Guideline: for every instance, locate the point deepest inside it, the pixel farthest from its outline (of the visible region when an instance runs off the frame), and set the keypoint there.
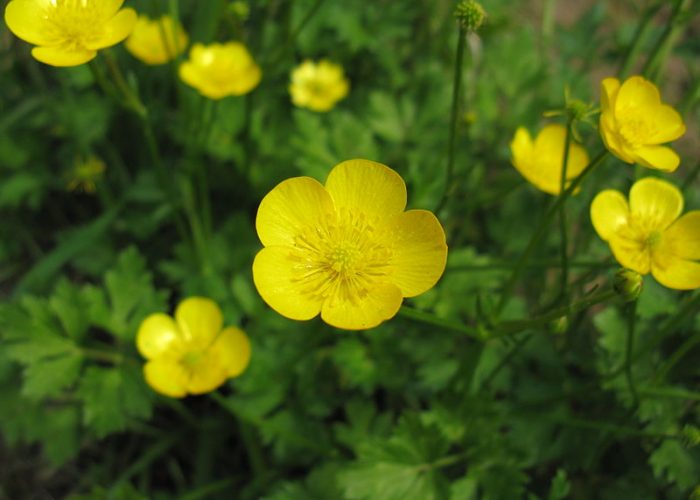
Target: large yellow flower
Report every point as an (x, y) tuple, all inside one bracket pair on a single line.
[(318, 86), (191, 354), (634, 122), (540, 161), (69, 32), (156, 41), (220, 70), (647, 234), (347, 249)]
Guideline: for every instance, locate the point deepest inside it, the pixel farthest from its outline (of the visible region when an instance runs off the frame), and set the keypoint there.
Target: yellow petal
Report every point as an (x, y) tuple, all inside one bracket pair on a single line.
[(285, 285), (631, 254), (659, 157), (159, 336), (166, 377), (207, 374), (291, 207), (521, 147), (379, 304), (578, 160), (200, 321), (609, 212), (668, 124), (367, 187), (683, 237), (420, 251), (677, 273), (61, 56), (655, 203), (245, 81), (26, 19), (637, 92), (115, 30), (110, 7), (611, 138), (232, 348), (608, 93)]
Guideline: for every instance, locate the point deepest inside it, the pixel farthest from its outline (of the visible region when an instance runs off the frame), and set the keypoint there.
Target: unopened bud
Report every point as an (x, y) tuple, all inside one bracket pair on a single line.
[(470, 14), (559, 325), (628, 284)]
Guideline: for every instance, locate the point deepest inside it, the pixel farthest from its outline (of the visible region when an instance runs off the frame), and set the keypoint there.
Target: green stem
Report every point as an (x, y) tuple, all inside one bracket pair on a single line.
[(431, 319), (670, 392), (563, 228), (604, 426), (248, 434), (676, 357), (532, 265), (542, 230), (662, 48), (631, 322), (101, 355), (309, 15), (639, 36), (454, 116), (519, 344), (548, 19), (691, 177)]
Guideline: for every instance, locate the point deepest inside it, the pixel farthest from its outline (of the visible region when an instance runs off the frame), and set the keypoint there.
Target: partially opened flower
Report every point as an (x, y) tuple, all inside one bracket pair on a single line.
[(191, 353), (646, 235), (318, 86), (540, 161), (220, 70), (634, 123), (69, 32), (346, 250), (156, 41)]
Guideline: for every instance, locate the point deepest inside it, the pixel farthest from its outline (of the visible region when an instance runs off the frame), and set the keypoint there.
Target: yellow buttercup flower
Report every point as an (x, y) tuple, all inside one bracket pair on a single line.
[(220, 70), (85, 174), (540, 161), (318, 86), (647, 235), (191, 354), (634, 123), (156, 41), (69, 32), (346, 250)]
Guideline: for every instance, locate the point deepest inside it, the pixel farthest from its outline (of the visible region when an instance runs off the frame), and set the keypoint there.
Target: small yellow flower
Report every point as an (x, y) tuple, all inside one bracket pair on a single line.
[(156, 41), (540, 161), (647, 234), (69, 32), (220, 70), (634, 122), (85, 174), (346, 250), (318, 86), (191, 354)]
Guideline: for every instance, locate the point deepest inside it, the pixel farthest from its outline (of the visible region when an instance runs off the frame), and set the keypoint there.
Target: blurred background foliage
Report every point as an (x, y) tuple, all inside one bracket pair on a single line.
[(406, 410)]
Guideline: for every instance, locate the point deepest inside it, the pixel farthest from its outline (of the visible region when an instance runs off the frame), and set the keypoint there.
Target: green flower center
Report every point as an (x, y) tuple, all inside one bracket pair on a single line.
[(192, 359), (342, 258)]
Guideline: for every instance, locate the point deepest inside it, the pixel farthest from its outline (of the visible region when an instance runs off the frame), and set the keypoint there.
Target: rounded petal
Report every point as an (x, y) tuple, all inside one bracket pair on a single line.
[(207, 374), (521, 147), (631, 254), (578, 160), (291, 207), (677, 273), (110, 7), (609, 212), (245, 81), (285, 284), (668, 124), (611, 139), (166, 377), (683, 237), (159, 336), (61, 57), (115, 30), (367, 187), (232, 348), (27, 20), (637, 92), (609, 88), (658, 157), (381, 303), (200, 321), (419, 251), (656, 203)]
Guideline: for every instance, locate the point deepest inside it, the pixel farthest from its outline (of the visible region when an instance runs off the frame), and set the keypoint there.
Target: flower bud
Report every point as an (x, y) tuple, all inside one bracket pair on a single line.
[(470, 14), (559, 326), (628, 284)]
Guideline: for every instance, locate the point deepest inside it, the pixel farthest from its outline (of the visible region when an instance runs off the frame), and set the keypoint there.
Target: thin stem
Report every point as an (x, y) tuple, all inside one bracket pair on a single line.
[(639, 36), (101, 355), (431, 319), (519, 344), (563, 228), (631, 323), (542, 230), (532, 265), (456, 87), (676, 357), (675, 26), (309, 15), (691, 177)]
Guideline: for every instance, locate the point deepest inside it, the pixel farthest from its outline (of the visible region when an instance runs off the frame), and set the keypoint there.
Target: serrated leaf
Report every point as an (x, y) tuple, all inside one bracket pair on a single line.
[(676, 464), (69, 305), (49, 377)]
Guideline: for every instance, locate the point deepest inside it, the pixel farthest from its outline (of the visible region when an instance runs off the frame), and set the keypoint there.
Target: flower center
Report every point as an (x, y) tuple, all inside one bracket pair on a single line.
[(74, 23), (342, 258), (191, 359), (636, 131)]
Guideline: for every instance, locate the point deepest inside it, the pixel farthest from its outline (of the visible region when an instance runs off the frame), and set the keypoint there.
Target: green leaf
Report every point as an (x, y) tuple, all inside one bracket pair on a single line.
[(676, 464), (560, 487), (69, 304), (49, 376)]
